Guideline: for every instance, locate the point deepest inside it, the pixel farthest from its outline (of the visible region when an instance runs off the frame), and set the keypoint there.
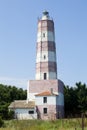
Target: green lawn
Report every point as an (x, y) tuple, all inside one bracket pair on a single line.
[(64, 124)]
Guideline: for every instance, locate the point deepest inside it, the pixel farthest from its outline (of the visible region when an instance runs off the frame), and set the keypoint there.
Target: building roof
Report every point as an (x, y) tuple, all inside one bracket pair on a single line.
[(46, 93), (22, 104)]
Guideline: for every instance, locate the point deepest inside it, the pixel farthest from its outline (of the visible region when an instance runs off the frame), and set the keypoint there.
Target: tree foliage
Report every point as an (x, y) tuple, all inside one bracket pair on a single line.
[(75, 99), (1, 122), (7, 95)]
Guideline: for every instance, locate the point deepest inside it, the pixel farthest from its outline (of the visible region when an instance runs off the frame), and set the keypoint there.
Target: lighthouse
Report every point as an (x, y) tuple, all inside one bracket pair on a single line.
[(45, 94), (46, 66), (46, 91)]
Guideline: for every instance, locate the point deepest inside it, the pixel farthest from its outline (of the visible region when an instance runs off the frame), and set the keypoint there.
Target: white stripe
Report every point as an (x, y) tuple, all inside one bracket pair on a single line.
[(50, 56), (50, 75), (49, 36)]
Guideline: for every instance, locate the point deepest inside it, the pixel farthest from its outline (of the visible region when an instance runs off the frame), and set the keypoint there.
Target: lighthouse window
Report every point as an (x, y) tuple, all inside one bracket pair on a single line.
[(44, 57), (43, 34), (45, 75)]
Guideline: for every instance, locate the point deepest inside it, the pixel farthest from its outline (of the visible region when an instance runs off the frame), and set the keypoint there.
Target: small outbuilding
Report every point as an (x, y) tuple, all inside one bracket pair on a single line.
[(23, 109)]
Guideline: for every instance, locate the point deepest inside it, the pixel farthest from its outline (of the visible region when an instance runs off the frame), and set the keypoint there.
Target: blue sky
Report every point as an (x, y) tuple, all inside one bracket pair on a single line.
[(18, 33)]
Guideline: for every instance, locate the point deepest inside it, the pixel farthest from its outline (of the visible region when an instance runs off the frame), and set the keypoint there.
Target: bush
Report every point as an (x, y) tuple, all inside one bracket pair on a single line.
[(1, 122), (10, 114)]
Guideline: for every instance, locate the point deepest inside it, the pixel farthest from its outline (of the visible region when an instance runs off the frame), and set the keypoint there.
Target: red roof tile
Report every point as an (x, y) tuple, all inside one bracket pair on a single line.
[(46, 93)]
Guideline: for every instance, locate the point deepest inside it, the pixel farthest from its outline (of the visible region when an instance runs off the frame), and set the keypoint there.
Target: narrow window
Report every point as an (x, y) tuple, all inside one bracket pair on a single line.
[(31, 112), (43, 34), (44, 99), (45, 110), (45, 75), (44, 57)]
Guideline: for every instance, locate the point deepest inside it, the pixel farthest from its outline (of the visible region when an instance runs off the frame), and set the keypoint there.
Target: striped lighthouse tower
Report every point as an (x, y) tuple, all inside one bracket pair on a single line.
[(47, 91), (46, 66)]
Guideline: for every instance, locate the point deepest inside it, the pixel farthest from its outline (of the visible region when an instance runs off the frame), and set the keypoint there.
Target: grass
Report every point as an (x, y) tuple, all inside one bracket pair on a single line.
[(64, 124)]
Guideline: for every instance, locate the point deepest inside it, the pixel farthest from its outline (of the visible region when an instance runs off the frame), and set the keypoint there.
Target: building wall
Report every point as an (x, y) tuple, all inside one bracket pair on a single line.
[(50, 75), (60, 99), (50, 56), (38, 86), (49, 36), (54, 105), (60, 110), (60, 86), (51, 100), (54, 112), (50, 105), (51, 112), (24, 114), (45, 46)]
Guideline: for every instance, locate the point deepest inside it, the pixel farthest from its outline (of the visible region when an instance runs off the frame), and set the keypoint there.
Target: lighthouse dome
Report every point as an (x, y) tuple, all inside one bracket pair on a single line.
[(45, 15)]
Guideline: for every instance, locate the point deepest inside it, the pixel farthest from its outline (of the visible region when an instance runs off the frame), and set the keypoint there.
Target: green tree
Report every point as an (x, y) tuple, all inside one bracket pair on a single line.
[(82, 97), (75, 99), (7, 95), (1, 122)]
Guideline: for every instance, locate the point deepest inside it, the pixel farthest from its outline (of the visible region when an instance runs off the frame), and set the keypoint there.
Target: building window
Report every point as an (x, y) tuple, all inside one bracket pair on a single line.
[(44, 57), (44, 99), (31, 112), (45, 75), (43, 34), (45, 110)]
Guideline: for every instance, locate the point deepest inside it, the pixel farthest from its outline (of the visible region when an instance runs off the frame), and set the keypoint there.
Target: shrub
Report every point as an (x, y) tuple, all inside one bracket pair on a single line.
[(10, 114), (1, 122)]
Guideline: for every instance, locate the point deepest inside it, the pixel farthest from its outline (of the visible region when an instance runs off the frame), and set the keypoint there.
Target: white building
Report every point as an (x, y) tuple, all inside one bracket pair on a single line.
[(24, 109)]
